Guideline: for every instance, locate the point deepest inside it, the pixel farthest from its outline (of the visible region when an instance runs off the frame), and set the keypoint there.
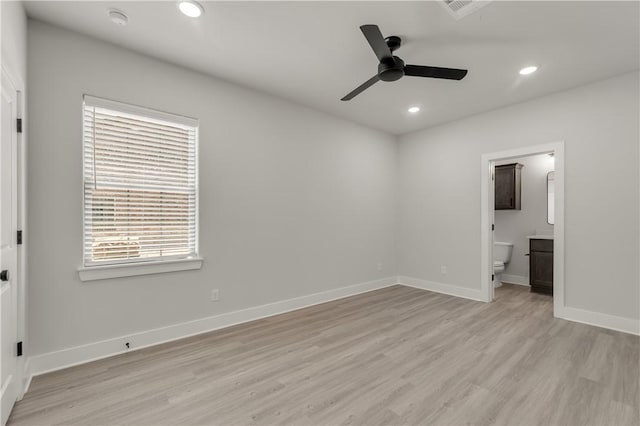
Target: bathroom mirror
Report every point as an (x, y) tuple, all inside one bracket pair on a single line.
[(550, 197)]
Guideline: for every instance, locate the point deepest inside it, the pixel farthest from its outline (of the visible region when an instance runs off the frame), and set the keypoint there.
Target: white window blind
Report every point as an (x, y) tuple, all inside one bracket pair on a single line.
[(140, 184)]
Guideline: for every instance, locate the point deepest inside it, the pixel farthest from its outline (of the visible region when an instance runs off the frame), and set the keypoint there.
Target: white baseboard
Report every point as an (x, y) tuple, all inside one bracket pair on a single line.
[(515, 279), (64, 358), (452, 290), (26, 377), (612, 322)]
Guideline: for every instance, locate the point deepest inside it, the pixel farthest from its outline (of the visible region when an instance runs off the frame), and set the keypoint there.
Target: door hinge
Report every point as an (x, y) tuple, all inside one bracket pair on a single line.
[(493, 226), (19, 237), (493, 277), (19, 349), (19, 125)]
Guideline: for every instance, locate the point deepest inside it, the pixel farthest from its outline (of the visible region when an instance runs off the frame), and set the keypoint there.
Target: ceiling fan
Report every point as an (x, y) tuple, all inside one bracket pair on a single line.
[(392, 68)]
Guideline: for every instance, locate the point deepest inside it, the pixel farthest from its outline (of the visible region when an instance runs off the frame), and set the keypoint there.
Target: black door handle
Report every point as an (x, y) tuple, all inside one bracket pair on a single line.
[(4, 275)]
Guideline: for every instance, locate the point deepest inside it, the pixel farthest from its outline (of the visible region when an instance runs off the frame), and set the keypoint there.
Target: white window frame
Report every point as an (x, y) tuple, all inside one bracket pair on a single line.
[(128, 268)]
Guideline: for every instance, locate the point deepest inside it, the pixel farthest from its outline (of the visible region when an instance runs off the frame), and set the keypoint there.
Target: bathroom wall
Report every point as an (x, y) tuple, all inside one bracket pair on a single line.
[(513, 226)]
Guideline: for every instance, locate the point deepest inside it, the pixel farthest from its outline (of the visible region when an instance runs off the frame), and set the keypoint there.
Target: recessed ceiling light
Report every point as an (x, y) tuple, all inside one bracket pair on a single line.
[(118, 17), (528, 70), (190, 8), (414, 110)]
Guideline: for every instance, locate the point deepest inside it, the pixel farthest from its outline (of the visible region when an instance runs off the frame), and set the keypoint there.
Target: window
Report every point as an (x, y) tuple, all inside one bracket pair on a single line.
[(140, 185)]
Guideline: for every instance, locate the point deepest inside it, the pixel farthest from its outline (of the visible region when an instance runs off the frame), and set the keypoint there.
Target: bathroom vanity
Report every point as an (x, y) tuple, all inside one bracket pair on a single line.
[(541, 264)]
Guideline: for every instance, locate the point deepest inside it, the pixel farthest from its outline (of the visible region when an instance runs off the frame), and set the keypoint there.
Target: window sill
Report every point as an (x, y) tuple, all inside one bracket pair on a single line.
[(92, 273)]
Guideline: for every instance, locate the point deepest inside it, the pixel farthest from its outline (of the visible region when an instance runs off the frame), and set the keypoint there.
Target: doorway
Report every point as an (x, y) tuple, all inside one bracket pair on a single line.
[(487, 234), (11, 294)]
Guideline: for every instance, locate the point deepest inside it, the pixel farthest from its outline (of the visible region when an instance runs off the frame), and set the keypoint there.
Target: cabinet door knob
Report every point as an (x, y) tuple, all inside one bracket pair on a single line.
[(4, 275), (526, 254)]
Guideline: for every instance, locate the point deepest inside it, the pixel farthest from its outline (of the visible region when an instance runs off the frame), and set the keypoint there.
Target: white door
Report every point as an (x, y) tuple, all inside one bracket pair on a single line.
[(8, 247)]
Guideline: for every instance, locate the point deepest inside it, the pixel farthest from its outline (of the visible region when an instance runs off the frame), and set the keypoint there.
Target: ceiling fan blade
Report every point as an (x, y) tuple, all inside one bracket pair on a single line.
[(364, 86), (376, 41), (434, 72)]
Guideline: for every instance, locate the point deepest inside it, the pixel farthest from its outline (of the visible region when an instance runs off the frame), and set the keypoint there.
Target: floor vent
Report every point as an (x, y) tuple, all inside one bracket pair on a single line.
[(461, 8)]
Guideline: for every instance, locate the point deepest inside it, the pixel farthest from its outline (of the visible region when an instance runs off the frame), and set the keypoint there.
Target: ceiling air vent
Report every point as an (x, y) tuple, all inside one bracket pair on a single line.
[(461, 8)]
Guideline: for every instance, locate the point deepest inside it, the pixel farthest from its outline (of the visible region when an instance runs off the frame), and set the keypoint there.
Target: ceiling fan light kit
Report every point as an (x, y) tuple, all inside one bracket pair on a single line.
[(392, 68)]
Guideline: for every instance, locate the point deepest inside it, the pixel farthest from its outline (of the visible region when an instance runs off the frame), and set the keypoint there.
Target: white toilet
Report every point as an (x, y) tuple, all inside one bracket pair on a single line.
[(501, 256)]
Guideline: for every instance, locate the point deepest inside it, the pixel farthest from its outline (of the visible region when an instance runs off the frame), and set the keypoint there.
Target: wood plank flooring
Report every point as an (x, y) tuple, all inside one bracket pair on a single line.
[(393, 356)]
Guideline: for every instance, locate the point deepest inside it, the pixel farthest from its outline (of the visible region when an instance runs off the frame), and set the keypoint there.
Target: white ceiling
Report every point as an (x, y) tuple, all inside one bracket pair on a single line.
[(313, 53)]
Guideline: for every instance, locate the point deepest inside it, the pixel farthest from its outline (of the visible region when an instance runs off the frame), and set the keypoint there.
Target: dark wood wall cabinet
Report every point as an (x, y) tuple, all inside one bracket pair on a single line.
[(507, 186), (541, 265)]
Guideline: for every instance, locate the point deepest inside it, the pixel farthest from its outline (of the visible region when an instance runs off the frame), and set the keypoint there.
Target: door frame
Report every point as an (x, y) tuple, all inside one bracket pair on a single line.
[(487, 196), (23, 373)]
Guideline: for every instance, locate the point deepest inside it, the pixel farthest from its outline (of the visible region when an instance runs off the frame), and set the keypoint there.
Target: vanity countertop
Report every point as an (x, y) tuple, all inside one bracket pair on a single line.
[(540, 237)]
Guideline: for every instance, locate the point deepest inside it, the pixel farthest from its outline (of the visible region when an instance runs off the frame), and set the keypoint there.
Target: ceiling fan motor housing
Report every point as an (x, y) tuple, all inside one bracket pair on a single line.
[(394, 42), (391, 70)]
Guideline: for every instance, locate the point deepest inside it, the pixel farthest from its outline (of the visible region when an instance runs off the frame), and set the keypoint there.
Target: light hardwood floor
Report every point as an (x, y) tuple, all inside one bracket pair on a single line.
[(393, 356)]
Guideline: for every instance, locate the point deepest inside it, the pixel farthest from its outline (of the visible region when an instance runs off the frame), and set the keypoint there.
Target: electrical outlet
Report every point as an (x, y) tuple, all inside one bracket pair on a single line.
[(215, 295), (443, 269), (379, 266)]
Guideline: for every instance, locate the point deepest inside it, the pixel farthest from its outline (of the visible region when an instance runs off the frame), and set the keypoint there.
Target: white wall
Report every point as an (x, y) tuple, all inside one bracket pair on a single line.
[(439, 191), (14, 38), (513, 226), (292, 201)]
